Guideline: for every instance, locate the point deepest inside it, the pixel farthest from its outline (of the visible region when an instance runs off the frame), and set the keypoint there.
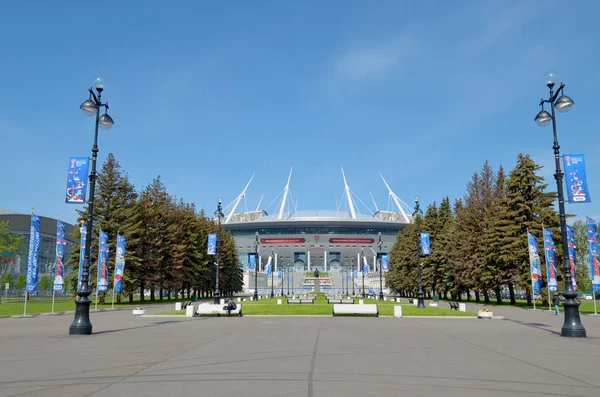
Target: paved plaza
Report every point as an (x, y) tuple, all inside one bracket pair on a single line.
[(298, 356)]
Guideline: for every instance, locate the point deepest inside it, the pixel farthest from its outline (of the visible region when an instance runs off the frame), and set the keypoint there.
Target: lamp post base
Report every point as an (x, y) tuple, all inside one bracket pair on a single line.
[(255, 295), (420, 300), (381, 295), (81, 324), (572, 327), (217, 297)]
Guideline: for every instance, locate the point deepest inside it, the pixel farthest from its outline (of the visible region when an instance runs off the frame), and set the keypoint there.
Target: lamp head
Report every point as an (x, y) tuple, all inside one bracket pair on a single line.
[(550, 78), (89, 108), (564, 103), (105, 122), (543, 118), (99, 83), (219, 200)]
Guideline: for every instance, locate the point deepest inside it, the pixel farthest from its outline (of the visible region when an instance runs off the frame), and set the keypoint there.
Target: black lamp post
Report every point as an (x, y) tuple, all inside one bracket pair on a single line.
[(282, 277), (288, 280), (219, 215), (292, 274), (380, 245), (272, 268), (572, 326), (92, 106), (362, 256), (352, 270), (416, 215), (256, 244)]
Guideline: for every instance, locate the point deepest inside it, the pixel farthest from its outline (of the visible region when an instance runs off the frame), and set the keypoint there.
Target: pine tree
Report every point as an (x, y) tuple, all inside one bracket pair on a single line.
[(430, 224), (440, 254), (526, 206), (582, 266)]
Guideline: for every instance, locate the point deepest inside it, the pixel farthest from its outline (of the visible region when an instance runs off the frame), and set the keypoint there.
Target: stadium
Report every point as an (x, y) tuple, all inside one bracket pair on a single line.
[(339, 243)]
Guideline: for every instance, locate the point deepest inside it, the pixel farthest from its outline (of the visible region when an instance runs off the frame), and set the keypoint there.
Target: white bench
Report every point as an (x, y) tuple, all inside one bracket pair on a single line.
[(212, 309), (355, 309)]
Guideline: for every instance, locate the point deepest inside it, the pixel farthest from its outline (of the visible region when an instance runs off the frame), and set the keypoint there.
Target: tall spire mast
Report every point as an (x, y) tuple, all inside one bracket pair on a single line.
[(286, 190), (374, 203), (238, 200), (395, 198), (348, 196)]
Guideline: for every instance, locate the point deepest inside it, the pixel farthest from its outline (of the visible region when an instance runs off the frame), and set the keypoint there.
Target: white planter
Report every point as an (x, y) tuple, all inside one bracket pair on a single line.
[(139, 312), (433, 304), (189, 310), (177, 305), (462, 307), (481, 314), (279, 301), (361, 302)]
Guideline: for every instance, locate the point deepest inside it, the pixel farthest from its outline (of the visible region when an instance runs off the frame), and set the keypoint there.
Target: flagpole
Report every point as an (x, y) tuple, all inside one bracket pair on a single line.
[(53, 292), (531, 275), (113, 302), (25, 306), (96, 298), (594, 296)]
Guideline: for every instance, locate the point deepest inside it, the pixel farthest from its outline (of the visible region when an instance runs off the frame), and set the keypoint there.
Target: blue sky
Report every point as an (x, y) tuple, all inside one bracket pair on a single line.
[(207, 94)]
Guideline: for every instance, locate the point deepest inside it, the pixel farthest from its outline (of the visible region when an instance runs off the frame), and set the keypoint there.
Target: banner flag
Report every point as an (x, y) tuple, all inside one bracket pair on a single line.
[(577, 189), (356, 274), (550, 260), (344, 277), (365, 269), (425, 247), (384, 261), (77, 180), (212, 244), (119, 263), (83, 231), (34, 249), (102, 283), (280, 274), (572, 254), (251, 261), (60, 256), (592, 232), (269, 269), (534, 262)]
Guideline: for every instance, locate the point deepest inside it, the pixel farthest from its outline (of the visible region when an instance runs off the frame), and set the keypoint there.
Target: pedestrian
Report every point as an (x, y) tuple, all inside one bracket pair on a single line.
[(556, 302), (230, 306)]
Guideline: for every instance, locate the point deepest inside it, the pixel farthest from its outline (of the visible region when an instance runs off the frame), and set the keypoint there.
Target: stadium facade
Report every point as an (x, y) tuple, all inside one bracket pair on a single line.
[(338, 243), (19, 223)]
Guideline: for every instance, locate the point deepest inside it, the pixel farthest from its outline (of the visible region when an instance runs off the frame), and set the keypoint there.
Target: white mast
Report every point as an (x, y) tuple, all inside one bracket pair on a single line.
[(237, 200), (374, 203), (395, 198), (348, 196), (259, 203), (285, 195)]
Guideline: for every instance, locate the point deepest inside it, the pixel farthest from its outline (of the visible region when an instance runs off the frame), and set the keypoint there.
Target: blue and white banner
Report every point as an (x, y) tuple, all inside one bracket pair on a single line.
[(34, 250), (285, 276), (279, 274), (365, 269), (83, 231), (384, 261), (534, 262), (119, 263), (425, 247), (102, 283), (356, 274), (60, 256), (77, 180), (212, 244), (344, 278), (577, 189), (592, 232), (269, 269), (251, 261), (572, 254), (550, 253)]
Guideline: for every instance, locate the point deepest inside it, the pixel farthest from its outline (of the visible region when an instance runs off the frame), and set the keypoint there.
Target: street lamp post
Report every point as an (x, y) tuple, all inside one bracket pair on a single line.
[(352, 270), (416, 215), (219, 215), (288, 280), (572, 326), (92, 106), (363, 272), (292, 274), (282, 277), (272, 268), (256, 244), (380, 246)]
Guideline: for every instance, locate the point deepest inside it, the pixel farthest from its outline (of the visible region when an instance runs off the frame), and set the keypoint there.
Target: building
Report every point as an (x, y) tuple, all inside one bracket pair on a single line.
[(336, 242), (16, 263)]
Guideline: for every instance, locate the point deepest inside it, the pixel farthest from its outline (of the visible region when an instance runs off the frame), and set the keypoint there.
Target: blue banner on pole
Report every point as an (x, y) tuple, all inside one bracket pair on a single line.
[(34, 249), (83, 231), (572, 254), (269, 269), (102, 284), (212, 244), (577, 189), (280, 274), (534, 261), (251, 261), (365, 269), (355, 273), (425, 247), (60, 256), (77, 180), (592, 232), (119, 263), (550, 253), (384, 261)]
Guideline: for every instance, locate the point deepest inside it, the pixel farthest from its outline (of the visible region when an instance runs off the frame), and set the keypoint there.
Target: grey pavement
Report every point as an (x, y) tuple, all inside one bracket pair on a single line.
[(298, 356)]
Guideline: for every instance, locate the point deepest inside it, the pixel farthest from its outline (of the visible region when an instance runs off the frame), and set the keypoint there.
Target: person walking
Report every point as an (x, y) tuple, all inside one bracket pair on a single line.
[(556, 302)]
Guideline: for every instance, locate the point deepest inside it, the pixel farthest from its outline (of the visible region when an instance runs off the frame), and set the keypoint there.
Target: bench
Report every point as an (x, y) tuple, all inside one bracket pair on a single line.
[(212, 309), (355, 309), (301, 301), (334, 300), (453, 305)]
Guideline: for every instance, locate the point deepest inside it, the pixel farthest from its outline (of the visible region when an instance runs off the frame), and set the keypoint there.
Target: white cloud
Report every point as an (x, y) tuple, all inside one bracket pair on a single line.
[(375, 59)]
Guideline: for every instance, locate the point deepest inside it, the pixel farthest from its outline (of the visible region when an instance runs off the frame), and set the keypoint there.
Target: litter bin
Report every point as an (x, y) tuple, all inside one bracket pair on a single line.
[(194, 298), (436, 298)]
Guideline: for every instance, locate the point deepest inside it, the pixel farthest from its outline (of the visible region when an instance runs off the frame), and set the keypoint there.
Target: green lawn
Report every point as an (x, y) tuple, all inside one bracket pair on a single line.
[(586, 306), (321, 307)]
